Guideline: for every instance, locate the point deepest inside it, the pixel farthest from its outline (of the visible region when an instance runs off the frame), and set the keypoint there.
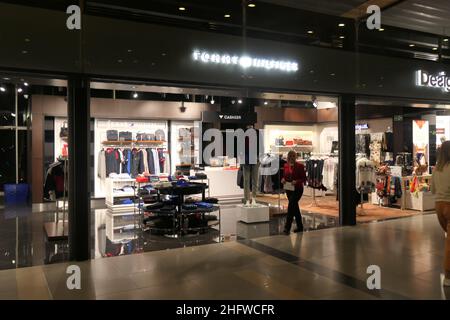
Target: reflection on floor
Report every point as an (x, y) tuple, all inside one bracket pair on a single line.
[(324, 264), (23, 242), (231, 229), (328, 206)]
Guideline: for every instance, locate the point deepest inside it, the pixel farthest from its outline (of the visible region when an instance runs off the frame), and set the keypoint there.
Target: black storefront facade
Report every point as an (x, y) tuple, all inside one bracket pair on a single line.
[(123, 51)]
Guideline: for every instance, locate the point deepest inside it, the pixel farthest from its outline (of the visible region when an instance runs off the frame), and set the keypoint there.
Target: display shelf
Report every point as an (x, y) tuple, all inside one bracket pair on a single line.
[(150, 142)]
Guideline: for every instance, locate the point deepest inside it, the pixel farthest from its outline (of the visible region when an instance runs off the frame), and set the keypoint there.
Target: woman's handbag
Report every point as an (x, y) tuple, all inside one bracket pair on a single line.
[(289, 186)]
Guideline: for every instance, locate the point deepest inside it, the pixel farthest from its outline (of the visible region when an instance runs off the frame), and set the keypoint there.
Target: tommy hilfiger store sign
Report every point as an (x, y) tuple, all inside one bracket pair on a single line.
[(440, 81)]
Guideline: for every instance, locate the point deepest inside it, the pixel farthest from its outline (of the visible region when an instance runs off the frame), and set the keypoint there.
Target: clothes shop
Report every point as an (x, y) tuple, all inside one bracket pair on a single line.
[(133, 135)]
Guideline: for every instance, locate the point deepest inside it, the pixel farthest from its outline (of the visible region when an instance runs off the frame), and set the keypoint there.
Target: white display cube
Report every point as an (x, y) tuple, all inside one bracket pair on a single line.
[(251, 231), (250, 214), (424, 201)]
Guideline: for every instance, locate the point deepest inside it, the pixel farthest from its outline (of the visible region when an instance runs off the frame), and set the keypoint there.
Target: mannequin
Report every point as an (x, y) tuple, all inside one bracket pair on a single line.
[(250, 174)]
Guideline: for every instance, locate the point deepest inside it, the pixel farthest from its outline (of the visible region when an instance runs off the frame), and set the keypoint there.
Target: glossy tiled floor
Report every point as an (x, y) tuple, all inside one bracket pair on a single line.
[(323, 264)]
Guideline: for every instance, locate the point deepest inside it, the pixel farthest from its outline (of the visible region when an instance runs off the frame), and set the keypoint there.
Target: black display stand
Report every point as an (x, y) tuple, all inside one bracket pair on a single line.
[(179, 215)]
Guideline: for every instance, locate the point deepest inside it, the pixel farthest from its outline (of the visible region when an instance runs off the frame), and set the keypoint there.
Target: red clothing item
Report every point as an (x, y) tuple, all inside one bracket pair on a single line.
[(296, 173)]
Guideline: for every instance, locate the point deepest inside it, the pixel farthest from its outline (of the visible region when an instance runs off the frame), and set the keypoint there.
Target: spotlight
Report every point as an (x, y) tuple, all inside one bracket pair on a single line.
[(381, 29), (212, 100), (310, 32), (341, 37), (25, 96), (266, 103), (412, 45), (182, 8), (240, 101), (252, 5), (135, 95), (19, 90), (341, 25), (25, 84), (445, 40), (227, 16), (2, 89)]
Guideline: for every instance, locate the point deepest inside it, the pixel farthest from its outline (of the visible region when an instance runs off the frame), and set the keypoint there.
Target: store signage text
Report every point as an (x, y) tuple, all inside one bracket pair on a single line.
[(244, 61), (362, 126), (230, 117), (441, 80)]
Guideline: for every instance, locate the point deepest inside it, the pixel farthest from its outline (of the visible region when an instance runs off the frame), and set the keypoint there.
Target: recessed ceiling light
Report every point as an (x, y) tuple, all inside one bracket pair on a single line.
[(135, 95), (252, 5), (445, 40), (7, 79), (19, 90), (120, 61), (381, 29), (25, 84), (227, 16), (163, 54), (310, 31), (27, 40), (182, 8), (341, 25), (435, 48), (412, 45), (240, 101), (130, 50), (341, 37), (24, 51), (266, 103), (332, 74), (2, 89)]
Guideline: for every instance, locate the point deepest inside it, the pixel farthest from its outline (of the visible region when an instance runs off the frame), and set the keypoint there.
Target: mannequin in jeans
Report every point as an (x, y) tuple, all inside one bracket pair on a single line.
[(250, 172), (440, 187)]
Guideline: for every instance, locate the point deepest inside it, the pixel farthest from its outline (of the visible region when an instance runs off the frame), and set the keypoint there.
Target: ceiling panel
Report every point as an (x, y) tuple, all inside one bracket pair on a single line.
[(431, 16), (331, 7)]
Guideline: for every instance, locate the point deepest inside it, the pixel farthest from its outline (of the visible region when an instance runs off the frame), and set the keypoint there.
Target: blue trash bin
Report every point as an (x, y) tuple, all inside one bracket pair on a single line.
[(16, 194)]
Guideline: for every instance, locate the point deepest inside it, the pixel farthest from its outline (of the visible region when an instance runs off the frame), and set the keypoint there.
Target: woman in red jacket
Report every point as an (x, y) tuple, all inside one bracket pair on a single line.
[(293, 179)]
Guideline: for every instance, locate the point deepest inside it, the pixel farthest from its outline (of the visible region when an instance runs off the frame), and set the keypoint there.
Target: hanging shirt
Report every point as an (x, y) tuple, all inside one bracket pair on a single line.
[(365, 175)]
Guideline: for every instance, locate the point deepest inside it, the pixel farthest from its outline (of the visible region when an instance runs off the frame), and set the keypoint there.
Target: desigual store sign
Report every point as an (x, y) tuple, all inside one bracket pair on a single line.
[(440, 80), (244, 61)]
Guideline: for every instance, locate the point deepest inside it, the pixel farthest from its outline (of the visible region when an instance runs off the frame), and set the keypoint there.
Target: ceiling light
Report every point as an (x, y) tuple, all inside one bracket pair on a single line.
[(310, 31), (266, 103), (227, 16), (135, 95), (412, 45), (240, 101), (252, 5), (13, 115), (212, 100), (182, 8), (435, 48), (341, 25), (341, 37), (25, 84), (24, 51), (445, 40), (25, 96), (129, 50), (381, 29), (19, 90), (2, 89)]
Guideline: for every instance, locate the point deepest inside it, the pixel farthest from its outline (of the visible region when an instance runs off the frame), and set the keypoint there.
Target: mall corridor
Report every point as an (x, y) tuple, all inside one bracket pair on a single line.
[(323, 264)]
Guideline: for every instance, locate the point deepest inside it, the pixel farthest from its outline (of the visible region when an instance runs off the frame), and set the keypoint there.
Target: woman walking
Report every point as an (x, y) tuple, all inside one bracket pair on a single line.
[(440, 186), (293, 179)]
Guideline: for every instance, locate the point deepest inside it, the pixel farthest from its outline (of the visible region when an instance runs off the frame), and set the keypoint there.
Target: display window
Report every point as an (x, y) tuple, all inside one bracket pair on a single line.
[(395, 156)]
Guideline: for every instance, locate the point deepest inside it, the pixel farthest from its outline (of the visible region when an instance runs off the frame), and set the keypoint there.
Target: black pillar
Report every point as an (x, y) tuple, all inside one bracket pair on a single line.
[(347, 165), (79, 193)]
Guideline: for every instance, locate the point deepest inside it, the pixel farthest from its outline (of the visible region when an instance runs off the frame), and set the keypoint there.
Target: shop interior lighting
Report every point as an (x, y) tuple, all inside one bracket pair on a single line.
[(25, 84), (435, 48), (445, 40), (19, 90), (212, 100), (2, 89), (182, 8), (341, 25), (412, 45), (252, 5), (227, 16), (135, 95), (240, 101), (342, 37), (266, 103), (310, 32), (381, 29)]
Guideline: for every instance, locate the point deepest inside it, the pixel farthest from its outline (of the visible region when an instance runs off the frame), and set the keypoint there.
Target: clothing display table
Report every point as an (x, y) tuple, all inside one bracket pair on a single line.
[(252, 214), (170, 214)]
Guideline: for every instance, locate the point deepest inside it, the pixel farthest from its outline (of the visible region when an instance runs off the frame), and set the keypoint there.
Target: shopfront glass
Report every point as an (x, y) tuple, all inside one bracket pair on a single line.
[(396, 151)]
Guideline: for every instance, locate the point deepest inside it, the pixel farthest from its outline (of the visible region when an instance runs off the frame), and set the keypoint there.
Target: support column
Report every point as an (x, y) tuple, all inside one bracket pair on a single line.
[(79, 189), (347, 165)]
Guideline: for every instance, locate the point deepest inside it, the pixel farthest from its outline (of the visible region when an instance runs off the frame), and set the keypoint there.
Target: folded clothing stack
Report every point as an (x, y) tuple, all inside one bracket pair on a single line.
[(189, 206), (205, 205)]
